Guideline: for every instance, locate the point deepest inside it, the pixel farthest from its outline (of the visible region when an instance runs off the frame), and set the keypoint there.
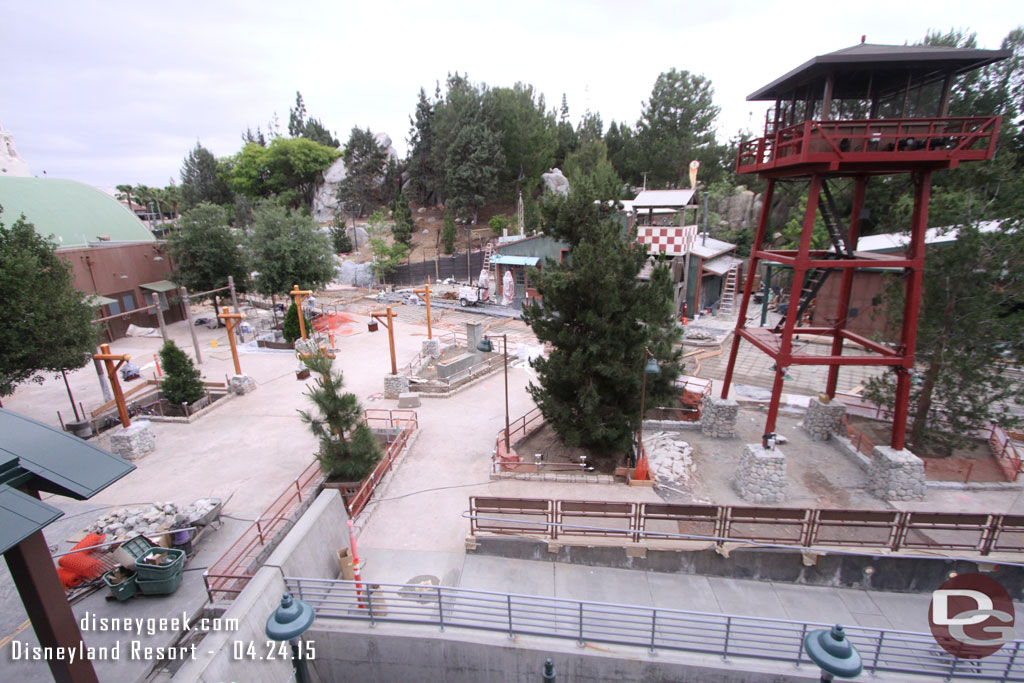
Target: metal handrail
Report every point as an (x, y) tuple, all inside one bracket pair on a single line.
[(654, 628)]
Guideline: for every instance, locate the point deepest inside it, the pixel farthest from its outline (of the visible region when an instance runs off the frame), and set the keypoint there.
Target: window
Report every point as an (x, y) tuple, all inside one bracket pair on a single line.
[(520, 275)]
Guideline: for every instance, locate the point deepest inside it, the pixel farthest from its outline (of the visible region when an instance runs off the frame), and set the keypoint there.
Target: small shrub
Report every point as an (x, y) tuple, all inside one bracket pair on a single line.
[(290, 327), (499, 223), (181, 378), (339, 236), (448, 233)]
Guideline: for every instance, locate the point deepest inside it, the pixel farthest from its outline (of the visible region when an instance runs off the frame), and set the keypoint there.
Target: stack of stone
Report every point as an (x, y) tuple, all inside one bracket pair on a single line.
[(896, 475), (669, 459), (823, 419), (718, 417), (124, 523), (761, 476)]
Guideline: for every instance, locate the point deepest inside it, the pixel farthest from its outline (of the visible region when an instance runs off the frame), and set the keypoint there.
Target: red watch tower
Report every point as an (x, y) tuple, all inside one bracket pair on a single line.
[(867, 110)]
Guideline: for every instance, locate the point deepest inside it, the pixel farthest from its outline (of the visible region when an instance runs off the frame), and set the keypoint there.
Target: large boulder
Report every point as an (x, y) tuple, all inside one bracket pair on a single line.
[(325, 204), (356, 274), (556, 182), (741, 210)]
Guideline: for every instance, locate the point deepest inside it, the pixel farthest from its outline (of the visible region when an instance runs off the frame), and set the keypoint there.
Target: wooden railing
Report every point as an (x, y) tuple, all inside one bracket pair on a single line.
[(892, 530)]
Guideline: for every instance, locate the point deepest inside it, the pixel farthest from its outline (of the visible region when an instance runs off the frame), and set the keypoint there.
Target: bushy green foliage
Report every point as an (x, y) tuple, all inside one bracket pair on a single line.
[(365, 163), (386, 256), (200, 180), (207, 251), (299, 126), (348, 449), (288, 169), (498, 223), (448, 233), (181, 382), (599, 318), (44, 322), (290, 327)]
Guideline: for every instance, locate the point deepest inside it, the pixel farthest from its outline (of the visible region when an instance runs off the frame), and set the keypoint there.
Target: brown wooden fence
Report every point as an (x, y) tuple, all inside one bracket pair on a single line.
[(892, 530)]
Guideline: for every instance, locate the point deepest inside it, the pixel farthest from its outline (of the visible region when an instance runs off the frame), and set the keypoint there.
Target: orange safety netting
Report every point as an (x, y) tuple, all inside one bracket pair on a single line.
[(339, 323), (82, 566)]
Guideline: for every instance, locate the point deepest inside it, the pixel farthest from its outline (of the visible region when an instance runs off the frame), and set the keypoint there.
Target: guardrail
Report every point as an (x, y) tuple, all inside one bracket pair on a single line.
[(724, 635), (399, 426), (230, 574), (892, 530)]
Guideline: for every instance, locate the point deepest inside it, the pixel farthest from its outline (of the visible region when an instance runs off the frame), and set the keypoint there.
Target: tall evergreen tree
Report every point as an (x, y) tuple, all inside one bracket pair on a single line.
[(403, 223), (423, 173), (365, 163), (474, 161), (599, 318), (200, 180)]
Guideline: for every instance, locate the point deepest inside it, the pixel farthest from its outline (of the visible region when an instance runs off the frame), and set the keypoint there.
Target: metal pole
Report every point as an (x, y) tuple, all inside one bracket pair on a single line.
[(504, 339), (72, 398), (705, 240), (104, 385), (643, 391), (767, 292), (191, 324), (160, 316), (430, 333)]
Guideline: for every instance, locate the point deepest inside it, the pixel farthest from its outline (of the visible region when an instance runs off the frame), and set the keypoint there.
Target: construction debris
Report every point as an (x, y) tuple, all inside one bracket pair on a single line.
[(669, 458)]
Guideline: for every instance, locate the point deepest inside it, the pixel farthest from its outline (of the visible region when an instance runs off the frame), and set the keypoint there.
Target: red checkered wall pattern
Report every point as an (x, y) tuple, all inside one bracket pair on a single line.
[(673, 241)]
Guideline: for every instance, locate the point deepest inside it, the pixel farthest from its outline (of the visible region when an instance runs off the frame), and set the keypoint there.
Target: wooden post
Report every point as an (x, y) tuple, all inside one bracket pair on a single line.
[(108, 360), (234, 299), (300, 296), (426, 295), (386, 318), (191, 324), (231, 320)]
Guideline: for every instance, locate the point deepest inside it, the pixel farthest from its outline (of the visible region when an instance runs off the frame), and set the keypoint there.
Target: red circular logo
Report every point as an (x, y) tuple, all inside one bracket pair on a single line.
[(971, 616)]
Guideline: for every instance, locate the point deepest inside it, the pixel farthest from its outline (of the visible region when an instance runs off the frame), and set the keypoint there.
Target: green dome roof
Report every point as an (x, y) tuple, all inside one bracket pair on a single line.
[(73, 213)]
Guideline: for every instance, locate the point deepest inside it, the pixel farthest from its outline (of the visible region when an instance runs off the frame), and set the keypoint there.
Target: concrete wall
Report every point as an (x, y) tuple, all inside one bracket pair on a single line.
[(353, 652), (913, 575), (308, 551)]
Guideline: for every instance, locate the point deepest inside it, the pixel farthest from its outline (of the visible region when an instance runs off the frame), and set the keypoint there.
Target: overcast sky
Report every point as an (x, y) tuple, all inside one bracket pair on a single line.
[(119, 92)]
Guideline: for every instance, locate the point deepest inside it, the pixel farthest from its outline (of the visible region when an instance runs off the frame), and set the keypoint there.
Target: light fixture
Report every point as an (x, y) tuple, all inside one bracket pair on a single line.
[(830, 650), (287, 623), (485, 345), (652, 367)]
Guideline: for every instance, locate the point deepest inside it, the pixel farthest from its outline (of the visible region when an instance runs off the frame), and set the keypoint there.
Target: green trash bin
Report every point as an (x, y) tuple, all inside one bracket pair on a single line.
[(160, 563), (121, 587)]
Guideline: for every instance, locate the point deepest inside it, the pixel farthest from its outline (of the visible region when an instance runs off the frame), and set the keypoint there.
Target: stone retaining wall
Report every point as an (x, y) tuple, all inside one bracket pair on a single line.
[(896, 475), (823, 419), (761, 475), (718, 417)]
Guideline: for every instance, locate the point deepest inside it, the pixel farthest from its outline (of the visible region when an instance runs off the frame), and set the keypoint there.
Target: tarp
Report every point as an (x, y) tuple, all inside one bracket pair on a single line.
[(160, 286)]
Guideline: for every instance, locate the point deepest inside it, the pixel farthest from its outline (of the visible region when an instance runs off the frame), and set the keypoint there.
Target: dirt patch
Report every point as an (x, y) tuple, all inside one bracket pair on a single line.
[(972, 461), (550, 445)]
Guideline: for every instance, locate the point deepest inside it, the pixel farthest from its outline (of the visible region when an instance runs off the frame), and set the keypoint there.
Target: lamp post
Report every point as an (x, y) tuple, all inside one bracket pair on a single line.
[(486, 346), (386, 317), (830, 650), (650, 368), (108, 359), (301, 295), (287, 623)]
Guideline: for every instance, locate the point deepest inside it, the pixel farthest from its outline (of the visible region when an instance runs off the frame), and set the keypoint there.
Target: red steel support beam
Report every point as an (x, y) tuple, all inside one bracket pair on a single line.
[(911, 307), (846, 287), (748, 285), (799, 271)]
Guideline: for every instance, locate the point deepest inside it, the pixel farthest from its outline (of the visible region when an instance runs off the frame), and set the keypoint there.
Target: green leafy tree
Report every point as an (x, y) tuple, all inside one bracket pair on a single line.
[(599, 318), (968, 332), (126, 193), (499, 223), (44, 321), (290, 327), (448, 232), (365, 163), (339, 235), (386, 257), (201, 180), (289, 169), (624, 153), (403, 225), (677, 126), (474, 161), (287, 249), (181, 383), (348, 448), (206, 251)]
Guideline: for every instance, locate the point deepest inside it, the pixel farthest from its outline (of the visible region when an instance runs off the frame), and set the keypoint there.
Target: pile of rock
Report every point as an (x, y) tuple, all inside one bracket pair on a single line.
[(669, 459), (129, 522)]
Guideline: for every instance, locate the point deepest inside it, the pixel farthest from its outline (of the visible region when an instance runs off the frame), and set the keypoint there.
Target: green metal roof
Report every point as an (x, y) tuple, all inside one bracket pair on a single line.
[(21, 516), (58, 462), (160, 286), (73, 213)]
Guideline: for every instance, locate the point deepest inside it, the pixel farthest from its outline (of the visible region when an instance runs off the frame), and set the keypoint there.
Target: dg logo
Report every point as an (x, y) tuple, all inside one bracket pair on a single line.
[(971, 616)]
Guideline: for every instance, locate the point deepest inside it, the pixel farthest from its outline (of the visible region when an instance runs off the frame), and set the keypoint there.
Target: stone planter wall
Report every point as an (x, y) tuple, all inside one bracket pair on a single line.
[(896, 475), (823, 419)]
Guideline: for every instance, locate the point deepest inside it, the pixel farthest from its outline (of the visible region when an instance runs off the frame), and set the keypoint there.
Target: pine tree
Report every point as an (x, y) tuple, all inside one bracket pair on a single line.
[(599, 318), (348, 449), (448, 233), (181, 382), (403, 225), (339, 235), (290, 327)]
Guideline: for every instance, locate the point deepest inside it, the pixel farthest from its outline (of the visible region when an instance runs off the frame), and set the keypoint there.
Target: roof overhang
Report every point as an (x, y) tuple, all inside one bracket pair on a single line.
[(867, 56), (22, 516), (664, 199), (96, 300), (160, 286), (509, 260)]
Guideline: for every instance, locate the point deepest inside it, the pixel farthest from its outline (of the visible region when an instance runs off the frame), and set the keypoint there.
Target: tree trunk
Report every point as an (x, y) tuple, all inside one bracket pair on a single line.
[(924, 401)]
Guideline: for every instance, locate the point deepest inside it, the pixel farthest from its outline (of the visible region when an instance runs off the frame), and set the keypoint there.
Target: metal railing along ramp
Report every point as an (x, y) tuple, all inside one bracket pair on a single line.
[(724, 635)]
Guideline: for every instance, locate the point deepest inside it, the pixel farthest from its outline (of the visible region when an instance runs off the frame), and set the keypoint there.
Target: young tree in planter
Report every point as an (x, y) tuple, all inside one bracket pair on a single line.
[(448, 233), (181, 378), (290, 328), (348, 449)]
